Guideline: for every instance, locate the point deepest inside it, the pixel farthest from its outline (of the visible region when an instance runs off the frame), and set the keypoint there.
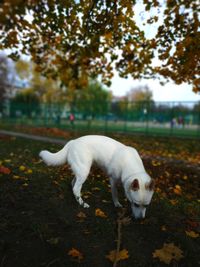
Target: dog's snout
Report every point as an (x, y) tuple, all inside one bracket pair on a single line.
[(139, 217)]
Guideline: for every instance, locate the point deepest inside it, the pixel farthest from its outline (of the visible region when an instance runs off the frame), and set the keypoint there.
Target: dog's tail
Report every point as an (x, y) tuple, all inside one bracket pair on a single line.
[(55, 159)]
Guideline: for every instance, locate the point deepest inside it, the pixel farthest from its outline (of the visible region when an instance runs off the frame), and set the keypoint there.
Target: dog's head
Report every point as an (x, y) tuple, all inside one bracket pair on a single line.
[(140, 194)]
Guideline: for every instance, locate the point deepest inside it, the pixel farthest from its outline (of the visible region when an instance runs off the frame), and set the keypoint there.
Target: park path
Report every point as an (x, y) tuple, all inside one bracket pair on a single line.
[(33, 137)]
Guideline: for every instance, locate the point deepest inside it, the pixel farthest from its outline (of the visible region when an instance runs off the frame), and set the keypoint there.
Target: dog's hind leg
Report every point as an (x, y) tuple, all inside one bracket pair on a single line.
[(114, 193), (81, 171), (80, 161), (79, 180)]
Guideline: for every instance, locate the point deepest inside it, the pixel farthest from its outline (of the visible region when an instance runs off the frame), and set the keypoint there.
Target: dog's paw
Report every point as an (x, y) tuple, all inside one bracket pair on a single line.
[(118, 205), (85, 205)]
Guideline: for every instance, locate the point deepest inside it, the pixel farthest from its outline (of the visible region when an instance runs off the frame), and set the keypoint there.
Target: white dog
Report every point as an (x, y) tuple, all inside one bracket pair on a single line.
[(122, 163)]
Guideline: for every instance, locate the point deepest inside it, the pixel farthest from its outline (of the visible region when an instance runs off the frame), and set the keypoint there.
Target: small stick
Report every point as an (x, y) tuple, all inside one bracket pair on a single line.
[(119, 235)]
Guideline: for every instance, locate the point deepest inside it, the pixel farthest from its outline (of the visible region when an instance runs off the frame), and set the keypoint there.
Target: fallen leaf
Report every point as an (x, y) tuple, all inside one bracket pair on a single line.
[(155, 163), (16, 177), (177, 190), (75, 254), (185, 177), (96, 189), (7, 160), (100, 213), (4, 170), (114, 256), (22, 168), (55, 182), (192, 234), (81, 215), (173, 201), (168, 252), (163, 228)]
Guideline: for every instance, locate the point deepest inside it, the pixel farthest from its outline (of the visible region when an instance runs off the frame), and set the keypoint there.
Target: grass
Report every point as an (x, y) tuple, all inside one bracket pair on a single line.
[(40, 222), (109, 127)]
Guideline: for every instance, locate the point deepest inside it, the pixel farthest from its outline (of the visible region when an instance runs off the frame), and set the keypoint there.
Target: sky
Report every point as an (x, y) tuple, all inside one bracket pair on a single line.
[(168, 92)]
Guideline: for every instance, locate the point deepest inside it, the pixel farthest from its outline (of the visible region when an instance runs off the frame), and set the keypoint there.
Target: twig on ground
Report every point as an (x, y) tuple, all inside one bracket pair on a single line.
[(120, 221)]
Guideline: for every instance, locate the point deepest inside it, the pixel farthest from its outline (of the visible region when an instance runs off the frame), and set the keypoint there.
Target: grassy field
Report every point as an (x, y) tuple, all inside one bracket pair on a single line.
[(109, 127), (42, 225)]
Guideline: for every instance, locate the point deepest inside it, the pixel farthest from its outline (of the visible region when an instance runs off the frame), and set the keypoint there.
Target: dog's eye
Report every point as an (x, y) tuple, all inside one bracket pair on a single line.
[(136, 205), (145, 206)]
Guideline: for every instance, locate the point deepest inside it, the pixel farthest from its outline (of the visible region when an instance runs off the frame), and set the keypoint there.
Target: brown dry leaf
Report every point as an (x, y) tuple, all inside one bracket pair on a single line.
[(100, 213), (163, 228), (81, 215), (96, 189), (168, 252), (177, 190), (192, 234), (122, 255), (74, 253)]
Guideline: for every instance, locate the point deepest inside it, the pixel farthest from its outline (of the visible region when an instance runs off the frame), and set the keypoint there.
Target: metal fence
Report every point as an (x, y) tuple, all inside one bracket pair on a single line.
[(161, 118)]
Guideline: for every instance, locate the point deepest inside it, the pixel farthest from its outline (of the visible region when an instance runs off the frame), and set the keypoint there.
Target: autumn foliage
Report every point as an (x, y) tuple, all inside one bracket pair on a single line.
[(75, 40)]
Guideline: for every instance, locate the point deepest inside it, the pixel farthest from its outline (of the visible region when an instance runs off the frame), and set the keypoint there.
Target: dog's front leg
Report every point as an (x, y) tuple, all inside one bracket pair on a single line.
[(77, 185), (115, 193)]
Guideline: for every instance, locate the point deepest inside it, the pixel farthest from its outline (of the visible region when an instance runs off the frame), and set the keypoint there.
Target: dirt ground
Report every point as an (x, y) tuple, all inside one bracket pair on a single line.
[(41, 225)]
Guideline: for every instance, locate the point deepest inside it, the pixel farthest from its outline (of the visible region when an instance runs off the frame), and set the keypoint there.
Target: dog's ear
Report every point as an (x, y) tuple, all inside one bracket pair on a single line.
[(150, 186), (135, 185)]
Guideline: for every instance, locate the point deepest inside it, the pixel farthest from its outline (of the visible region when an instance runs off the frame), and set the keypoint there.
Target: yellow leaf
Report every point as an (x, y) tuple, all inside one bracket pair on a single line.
[(29, 171), (7, 160), (100, 213), (75, 254), (22, 168), (192, 234), (16, 177), (178, 187), (114, 256), (185, 177), (173, 201), (167, 253), (156, 163)]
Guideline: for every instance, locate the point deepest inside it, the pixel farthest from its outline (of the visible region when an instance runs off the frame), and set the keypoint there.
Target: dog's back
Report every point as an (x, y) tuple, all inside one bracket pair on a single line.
[(94, 148), (89, 148)]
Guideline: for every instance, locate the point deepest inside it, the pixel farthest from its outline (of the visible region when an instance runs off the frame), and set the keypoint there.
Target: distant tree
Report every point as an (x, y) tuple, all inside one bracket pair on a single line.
[(93, 101), (26, 101), (6, 79), (76, 40), (140, 93), (47, 89)]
